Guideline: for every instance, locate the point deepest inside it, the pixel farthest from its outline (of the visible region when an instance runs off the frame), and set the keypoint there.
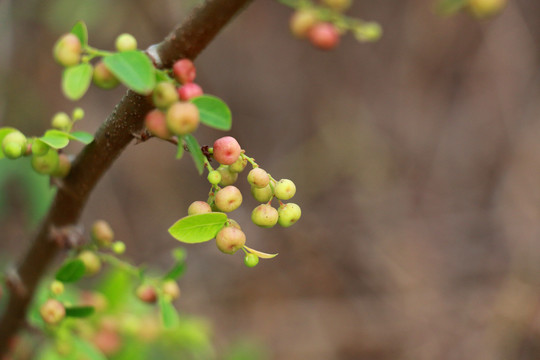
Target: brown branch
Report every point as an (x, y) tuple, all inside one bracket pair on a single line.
[(187, 40)]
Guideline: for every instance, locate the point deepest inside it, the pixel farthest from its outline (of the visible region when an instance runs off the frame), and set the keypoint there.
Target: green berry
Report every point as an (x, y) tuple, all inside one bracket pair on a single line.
[(228, 199), (67, 50), (182, 118), (103, 77), (262, 195), (214, 177), (14, 145), (46, 164), (264, 216), (146, 293), (199, 207), (63, 168), (230, 239), (284, 189), (78, 114), (170, 288), (102, 233), (39, 147), (288, 214), (239, 165), (61, 121), (57, 287), (126, 42), (258, 178), (302, 21), (91, 262), (52, 311), (119, 247), (367, 32), (164, 95), (227, 177), (251, 260)]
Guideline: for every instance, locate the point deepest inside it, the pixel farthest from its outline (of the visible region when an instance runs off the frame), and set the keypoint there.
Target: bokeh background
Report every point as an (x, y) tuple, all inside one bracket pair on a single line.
[(416, 159)]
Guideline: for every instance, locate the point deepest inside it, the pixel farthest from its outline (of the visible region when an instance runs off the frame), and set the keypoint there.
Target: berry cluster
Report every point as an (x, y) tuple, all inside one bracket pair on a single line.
[(323, 25)]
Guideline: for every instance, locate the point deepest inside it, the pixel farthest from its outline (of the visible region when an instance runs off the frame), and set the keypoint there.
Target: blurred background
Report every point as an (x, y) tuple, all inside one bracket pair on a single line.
[(416, 160)]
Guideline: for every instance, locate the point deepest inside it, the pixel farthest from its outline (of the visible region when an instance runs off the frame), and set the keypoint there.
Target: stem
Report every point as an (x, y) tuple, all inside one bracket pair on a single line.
[(187, 40)]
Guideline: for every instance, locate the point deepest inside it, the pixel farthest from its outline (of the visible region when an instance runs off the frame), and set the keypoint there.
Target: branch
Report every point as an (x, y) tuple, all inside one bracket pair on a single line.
[(187, 40)]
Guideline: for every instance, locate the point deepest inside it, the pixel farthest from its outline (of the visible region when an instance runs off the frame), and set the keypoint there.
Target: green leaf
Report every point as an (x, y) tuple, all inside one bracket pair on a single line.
[(82, 136), (80, 30), (198, 228), (71, 271), (180, 149), (213, 112), (177, 271), (79, 311), (3, 132), (134, 69), (56, 139), (86, 350), (195, 151), (169, 315), (76, 80)]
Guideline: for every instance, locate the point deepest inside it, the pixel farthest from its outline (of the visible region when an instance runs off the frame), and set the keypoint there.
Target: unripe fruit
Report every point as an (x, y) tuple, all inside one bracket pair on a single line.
[(164, 95), (289, 214), (228, 199), (63, 168), (182, 118), (234, 223), (284, 189), (485, 8), (156, 123), (170, 288), (57, 287), (199, 207), (230, 239), (91, 262), (239, 165), (184, 71), (338, 5), (147, 293), (102, 233), (258, 177), (45, 164), (126, 42), (61, 121), (103, 77), (251, 260), (264, 216), (118, 247), (214, 177), (302, 21), (368, 31), (39, 147), (262, 195), (67, 50), (227, 177), (325, 36), (226, 150), (52, 311), (189, 91), (14, 145), (78, 114)]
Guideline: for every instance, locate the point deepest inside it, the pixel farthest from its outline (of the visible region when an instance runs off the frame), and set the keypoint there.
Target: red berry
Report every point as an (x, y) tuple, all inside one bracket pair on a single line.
[(189, 90), (184, 71), (325, 36), (226, 150)]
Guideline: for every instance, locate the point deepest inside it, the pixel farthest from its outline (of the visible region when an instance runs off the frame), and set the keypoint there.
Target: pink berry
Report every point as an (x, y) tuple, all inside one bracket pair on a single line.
[(324, 36), (156, 122), (226, 150), (184, 71), (189, 90)]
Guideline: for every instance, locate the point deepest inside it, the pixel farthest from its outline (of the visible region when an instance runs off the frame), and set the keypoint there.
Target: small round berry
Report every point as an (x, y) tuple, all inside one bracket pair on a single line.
[(78, 114), (52, 311), (251, 260), (325, 36), (264, 216), (214, 177), (485, 8), (284, 189), (228, 199), (184, 71), (156, 122), (189, 91), (230, 239), (164, 95), (367, 32), (61, 121), (45, 164), (227, 177), (182, 118), (119, 247), (102, 233), (39, 147), (301, 21), (289, 214), (14, 145), (103, 77), (262, 195), (226, 150), (338, 5), (239, 165), (146, 293), (63, 168), (57, 287), (91, 262), (199, 207), (67, 50), (170, 288), (258, 177), (126, 42)]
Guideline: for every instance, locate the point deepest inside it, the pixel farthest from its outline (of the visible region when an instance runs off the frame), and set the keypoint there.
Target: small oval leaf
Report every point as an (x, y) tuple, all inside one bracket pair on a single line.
[(56, 139), (213, 112), (134, 69), (196, 154), (76, 80), (71, 271), (80, 31), (79, 311), (198, 228), (3, 132), (260, 253)]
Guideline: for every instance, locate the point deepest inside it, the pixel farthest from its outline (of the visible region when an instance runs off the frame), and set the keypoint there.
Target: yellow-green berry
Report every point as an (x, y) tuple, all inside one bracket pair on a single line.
[(214, 177), (251, 260), (199, 207), (14, 145), (52, 311), (119, 247), (264, 216), (230, 239), (91, 262), (61, 121), (170, 288), (126, 42), (45, 164), (57, 287), (228, 199), (258, 177), (67, 50), (289, 214)]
